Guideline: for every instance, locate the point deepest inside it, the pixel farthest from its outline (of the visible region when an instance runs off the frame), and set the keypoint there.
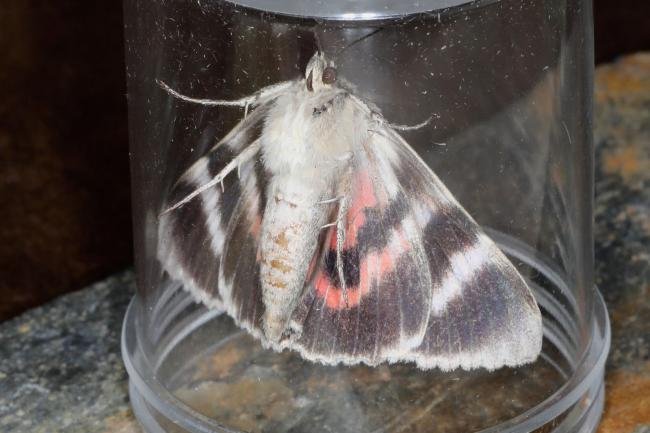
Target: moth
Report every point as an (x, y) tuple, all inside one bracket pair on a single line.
[(317, 228)]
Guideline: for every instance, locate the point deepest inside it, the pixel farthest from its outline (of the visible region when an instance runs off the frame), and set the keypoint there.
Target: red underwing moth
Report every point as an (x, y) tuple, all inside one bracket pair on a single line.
[(317, 228)]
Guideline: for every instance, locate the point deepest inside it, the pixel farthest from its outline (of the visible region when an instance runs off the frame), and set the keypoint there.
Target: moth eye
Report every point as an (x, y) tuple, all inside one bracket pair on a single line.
[(329, 75), (310, 85)]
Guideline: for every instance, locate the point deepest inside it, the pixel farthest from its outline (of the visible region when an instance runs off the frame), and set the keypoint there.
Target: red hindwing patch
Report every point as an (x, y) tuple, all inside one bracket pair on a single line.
[(373, 264)]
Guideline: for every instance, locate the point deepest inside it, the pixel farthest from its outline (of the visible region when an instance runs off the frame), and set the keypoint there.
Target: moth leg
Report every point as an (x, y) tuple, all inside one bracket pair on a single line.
[(245, 102), (340, 224), (337, 199), (407, 127), (244, 156), (376, 116), (330, 200), (340, 238), (340, 241)]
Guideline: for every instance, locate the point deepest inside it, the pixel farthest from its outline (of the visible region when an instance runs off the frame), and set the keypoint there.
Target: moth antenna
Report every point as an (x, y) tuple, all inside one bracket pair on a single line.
[(249, 101), (380, 119), (244, 102), (362, 38), (412, 127), (319, 44)]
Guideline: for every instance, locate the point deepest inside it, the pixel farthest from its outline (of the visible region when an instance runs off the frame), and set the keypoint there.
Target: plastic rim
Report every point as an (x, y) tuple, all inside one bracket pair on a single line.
[(356, 10), (148, 393)]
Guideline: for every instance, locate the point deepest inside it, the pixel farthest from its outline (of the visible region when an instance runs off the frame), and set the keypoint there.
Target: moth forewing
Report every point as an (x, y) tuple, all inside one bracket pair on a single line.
[(204, 219)]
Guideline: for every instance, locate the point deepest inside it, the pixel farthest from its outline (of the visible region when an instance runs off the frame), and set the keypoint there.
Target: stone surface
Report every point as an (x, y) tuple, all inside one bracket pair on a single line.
[(622, 138), (232, 379), (60, 365)]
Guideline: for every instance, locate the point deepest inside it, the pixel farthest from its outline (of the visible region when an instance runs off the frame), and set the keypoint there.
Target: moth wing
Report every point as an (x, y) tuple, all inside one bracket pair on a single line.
[(239, 273), (191, 238), (425, 284), (483, 314), (370, 301)]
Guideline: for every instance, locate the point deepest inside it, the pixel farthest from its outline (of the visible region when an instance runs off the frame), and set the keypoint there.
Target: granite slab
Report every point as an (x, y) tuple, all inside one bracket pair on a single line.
[(60, 364), (622, 236)]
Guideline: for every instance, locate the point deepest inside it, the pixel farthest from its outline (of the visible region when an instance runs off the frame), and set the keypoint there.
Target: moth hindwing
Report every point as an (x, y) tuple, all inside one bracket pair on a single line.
[(317, 228)]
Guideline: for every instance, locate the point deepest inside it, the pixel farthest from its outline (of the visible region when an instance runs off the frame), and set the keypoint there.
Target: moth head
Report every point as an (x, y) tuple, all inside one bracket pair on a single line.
[(320, 73)]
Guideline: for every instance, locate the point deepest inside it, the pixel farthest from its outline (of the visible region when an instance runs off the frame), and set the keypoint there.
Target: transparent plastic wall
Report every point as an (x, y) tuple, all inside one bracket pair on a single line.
[(506, 86)]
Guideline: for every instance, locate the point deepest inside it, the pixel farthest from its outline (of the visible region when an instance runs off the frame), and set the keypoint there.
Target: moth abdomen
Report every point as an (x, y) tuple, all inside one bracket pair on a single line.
[(289, 239)]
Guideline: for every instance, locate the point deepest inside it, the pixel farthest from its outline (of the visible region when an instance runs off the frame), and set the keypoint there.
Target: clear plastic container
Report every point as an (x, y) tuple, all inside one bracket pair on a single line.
[(506, 86)]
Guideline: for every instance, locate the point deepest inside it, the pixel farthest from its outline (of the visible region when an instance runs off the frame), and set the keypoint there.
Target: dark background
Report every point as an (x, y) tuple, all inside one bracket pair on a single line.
[(64, 175)]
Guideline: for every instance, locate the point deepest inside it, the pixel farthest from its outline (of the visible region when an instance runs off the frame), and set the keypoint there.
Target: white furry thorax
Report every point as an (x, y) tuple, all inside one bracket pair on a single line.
[(311, 134)]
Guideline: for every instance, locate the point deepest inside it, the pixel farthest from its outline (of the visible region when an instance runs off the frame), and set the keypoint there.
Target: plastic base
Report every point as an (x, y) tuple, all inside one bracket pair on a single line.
[(192, 370)]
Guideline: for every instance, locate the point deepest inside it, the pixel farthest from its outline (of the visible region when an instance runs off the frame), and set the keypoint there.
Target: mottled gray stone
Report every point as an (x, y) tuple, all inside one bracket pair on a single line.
[(622, 230), (60, 364)]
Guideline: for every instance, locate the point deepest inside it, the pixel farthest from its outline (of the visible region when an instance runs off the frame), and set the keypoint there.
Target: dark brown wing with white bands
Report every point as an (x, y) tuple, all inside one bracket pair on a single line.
[(191, 238), (450, 281), (381, 312), (483, 314), (239, 273)]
